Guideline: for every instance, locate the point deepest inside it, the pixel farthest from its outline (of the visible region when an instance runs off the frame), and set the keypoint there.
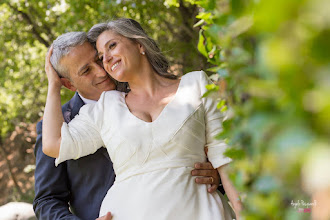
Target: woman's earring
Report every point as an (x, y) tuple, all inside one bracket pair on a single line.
[(143, 53)]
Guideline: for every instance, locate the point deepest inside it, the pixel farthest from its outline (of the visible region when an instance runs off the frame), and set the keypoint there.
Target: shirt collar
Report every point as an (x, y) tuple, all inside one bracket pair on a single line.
[(87, 101)]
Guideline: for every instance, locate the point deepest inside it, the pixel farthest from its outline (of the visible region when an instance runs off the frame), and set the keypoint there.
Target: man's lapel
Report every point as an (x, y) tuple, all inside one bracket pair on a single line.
[(75, 104)]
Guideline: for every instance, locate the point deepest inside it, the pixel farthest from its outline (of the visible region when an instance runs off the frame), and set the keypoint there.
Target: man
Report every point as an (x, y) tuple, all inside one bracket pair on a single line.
[(75, 189)]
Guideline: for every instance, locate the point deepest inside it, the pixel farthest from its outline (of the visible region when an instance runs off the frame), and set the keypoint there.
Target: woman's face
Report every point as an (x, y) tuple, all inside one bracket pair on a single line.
[(121, 57)]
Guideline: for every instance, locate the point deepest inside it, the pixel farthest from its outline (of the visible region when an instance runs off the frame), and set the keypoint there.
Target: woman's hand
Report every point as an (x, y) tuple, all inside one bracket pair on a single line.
[(53, 77)]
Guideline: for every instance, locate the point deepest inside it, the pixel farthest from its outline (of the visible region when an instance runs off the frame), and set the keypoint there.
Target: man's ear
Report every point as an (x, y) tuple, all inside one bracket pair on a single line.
[(67, 83)]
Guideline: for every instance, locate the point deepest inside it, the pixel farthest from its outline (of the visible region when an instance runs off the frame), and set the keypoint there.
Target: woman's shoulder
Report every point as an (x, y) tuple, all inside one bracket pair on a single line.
[(196, 77), (110, 95), (193, 74), (106, 98)]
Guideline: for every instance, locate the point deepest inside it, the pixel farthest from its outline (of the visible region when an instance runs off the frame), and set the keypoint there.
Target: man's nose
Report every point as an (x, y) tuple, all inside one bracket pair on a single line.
[(100, 72)]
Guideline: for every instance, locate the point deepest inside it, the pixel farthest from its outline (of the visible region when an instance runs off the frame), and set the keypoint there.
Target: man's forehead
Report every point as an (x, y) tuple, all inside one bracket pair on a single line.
[(80, 56), (83, 49)]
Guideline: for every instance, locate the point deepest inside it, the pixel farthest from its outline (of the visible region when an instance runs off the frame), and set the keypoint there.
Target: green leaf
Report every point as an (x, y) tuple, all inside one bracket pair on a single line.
[(221, 104), (234, 153), (212, 87), (201, 44), (206, 17), (199, 23)]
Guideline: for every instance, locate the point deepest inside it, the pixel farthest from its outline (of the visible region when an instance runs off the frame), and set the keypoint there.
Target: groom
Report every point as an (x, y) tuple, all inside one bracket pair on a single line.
[(75, 189)]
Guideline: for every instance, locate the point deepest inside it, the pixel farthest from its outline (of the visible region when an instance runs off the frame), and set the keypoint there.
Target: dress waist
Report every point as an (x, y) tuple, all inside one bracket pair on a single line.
[(150, 167)]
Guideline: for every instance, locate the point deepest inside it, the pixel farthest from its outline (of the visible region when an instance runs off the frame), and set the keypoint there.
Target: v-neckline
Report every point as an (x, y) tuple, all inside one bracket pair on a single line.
[(161, 113)]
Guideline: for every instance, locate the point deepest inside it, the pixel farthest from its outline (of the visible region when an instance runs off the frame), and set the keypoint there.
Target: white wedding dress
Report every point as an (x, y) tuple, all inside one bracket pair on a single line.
[(153, 160)]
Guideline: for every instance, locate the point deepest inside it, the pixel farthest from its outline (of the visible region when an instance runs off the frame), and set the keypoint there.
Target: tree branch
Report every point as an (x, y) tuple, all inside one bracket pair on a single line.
[(35, 31), (44, 24), (187, 14)]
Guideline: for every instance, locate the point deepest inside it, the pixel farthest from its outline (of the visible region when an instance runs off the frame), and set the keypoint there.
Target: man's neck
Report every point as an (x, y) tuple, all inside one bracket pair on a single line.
[(87, 101)]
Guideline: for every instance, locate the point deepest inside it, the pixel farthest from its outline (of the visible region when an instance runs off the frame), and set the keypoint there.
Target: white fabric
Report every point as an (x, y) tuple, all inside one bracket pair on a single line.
[(153, 160), (87, 101)]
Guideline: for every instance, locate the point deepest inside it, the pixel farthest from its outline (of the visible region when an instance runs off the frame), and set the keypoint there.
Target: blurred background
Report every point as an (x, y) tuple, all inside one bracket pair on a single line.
[(270, 59)]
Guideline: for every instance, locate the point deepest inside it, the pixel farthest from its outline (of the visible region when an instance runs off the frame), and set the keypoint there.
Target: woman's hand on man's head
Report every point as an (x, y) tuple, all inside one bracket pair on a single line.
[(53, 78)]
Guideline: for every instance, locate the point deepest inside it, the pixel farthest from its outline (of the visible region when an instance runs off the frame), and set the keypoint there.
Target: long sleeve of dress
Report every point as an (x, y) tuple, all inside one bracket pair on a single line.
[(82, 136), (214, 119)]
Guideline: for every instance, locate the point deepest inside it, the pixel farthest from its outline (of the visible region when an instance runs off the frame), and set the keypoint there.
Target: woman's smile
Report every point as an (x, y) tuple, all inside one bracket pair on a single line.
[(115, 65)]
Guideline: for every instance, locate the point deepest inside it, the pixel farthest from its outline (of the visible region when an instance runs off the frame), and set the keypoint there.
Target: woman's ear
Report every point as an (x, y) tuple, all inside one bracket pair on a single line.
[(67, 83), (141, 48)]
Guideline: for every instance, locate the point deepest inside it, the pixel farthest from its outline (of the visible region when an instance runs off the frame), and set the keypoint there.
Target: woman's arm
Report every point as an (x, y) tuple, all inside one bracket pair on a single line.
[(53, 118), (217, 147), (230, 190)]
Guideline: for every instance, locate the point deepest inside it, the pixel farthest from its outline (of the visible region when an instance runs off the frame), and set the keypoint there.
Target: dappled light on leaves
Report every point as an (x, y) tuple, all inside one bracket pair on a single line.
[(274, 57)]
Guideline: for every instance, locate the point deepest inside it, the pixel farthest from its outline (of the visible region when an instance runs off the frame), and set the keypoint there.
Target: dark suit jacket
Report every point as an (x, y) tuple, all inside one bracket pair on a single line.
[(79, 184)]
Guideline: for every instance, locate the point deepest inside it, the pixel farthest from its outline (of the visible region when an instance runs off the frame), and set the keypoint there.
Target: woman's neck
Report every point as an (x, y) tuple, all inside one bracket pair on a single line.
[(147, 83)]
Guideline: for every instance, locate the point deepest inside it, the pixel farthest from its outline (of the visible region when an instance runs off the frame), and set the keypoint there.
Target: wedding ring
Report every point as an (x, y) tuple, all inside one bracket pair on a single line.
[(212, 180)]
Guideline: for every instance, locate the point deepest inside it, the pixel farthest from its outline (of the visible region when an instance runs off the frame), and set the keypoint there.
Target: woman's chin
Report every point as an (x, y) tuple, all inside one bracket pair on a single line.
[(118, 76)]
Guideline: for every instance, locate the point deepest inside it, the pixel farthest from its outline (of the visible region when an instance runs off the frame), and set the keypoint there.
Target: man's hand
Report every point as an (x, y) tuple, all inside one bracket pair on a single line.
[(208, 175), (108, 216)]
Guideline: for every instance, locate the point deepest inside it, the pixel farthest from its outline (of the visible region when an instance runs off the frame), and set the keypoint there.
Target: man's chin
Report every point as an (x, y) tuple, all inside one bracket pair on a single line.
[(107, 85)]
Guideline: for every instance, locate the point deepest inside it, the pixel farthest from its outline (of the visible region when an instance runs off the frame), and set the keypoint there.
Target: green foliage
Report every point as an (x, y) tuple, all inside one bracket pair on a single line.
[(274, 58)]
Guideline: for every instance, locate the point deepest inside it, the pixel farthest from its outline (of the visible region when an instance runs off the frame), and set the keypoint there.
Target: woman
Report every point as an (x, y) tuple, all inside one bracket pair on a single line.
[(153, 134)]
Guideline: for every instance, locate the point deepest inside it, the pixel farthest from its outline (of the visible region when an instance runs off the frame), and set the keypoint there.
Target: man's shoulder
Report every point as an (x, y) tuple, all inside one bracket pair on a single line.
[(67, 107), (72, 102)]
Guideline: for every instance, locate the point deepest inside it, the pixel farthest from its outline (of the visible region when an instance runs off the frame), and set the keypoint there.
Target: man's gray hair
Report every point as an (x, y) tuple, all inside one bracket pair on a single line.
[(62, 46), (132, 30)]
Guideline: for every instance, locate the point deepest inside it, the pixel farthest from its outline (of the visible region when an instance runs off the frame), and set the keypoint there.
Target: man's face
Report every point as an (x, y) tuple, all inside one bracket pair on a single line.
[(86, 74)]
